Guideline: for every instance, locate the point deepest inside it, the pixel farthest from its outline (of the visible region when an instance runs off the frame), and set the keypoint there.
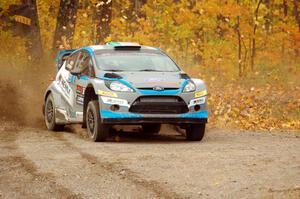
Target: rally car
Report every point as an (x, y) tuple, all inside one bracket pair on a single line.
[(122, 83)]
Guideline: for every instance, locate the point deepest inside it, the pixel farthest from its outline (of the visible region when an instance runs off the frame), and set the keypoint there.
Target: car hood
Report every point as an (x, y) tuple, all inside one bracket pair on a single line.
[(145, 80)]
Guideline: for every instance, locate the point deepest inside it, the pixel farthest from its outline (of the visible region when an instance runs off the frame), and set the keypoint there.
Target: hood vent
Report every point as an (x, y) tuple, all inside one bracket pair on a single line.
[(112, 75), (184, 76)]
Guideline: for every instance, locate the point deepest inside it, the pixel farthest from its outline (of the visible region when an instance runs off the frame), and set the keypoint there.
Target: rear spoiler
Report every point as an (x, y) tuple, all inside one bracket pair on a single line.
[(62, 56)]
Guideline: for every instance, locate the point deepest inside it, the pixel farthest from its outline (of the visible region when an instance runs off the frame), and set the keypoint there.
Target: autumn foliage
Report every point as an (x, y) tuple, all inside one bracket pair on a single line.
[(248, 52)]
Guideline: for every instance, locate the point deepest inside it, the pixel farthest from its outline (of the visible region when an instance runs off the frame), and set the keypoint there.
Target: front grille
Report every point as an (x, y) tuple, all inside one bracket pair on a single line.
[(153, 89), (159, 105)]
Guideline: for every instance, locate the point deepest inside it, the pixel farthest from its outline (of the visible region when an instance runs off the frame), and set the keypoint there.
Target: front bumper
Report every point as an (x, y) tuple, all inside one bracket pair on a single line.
[(127, 115), (110, 117), (154, 120)]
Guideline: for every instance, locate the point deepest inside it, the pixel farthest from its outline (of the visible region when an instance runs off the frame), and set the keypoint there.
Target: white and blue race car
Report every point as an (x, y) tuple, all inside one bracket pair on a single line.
[(123, 83)]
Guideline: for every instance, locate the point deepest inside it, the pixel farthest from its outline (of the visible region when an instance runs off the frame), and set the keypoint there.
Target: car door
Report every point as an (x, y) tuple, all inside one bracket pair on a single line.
[(79, 82), (64, 77)]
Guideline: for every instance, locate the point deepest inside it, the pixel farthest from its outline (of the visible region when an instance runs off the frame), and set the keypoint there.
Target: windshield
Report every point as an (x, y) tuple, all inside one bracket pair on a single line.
[(135, 61)]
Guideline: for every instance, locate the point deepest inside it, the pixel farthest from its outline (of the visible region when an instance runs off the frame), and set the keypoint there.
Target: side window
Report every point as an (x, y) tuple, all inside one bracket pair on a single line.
[(71, 62), (85, 64)]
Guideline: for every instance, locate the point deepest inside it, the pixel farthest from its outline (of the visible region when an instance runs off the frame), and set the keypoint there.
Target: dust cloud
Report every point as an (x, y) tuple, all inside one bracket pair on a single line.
[(22, 92)]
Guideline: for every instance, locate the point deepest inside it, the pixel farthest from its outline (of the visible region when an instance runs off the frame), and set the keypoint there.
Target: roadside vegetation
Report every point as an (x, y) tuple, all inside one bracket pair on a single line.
[(248, 52)]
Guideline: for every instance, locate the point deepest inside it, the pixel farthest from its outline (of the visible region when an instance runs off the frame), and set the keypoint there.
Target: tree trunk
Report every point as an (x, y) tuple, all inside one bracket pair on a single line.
[(239, 47), (268, 16), (285, 8), (103, 13), (65, 24), (285, 12), (35, 46), (253, 54), (296, 12), (138, 4), (239, 37), (297, 17)]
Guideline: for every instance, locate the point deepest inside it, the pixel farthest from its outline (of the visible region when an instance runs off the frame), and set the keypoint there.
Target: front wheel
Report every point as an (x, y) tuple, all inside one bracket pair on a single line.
[(49, 115), (195, 132), (97, 131)]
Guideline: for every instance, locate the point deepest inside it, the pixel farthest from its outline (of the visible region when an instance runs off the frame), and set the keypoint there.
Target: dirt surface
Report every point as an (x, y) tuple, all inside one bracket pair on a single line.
[(36, 163)]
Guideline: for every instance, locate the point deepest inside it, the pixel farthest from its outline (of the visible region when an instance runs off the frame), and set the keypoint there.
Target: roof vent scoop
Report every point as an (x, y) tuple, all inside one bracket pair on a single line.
[(124, 45)]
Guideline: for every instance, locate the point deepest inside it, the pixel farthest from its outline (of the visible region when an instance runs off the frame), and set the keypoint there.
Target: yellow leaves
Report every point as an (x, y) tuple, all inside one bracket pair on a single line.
[(108, 39), (85, 15), (101, 3), (47, 21), (257, 108)]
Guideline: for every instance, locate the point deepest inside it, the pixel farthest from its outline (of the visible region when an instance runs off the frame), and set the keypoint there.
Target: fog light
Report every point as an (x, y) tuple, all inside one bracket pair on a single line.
[(115, 107), (197, 107)]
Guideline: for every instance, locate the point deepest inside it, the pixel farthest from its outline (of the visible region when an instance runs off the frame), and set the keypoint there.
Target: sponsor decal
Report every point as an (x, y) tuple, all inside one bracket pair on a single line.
[(107, 93), (80, 89), (109, 100), (79, 99), (65, 86), (201, 93), (80, 94), (71, 113), (197, 101)]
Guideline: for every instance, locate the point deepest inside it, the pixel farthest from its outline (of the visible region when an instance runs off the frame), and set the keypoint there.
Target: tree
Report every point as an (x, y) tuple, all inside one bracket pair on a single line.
[(296, 12), (35, 45), (23, 20), (102, 18), (253, 54), (267, 16), (65, 24)]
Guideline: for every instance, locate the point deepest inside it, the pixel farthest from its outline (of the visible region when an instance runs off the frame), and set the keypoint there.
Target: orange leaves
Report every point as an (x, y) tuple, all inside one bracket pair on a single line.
[(263, 108)]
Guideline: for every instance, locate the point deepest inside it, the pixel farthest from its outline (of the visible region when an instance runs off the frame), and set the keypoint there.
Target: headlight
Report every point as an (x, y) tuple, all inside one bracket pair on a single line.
[(189, 87), (118, 86)]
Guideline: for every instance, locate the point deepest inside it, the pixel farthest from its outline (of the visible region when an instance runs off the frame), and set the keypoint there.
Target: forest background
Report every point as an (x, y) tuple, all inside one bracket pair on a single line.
[(247, 51)]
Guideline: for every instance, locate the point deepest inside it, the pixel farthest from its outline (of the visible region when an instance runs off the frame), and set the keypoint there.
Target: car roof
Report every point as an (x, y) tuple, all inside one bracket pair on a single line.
[(103, 47), (114, 45)]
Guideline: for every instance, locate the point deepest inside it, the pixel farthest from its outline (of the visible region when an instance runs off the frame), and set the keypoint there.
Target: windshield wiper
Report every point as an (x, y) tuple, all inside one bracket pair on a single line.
[(156, 70), (114, 70), (149, 70)]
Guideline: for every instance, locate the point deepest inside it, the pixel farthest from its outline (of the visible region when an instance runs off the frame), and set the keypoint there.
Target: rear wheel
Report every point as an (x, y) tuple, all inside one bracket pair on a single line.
[(49, 116), (151, 128), (195, 132), (97, 131)]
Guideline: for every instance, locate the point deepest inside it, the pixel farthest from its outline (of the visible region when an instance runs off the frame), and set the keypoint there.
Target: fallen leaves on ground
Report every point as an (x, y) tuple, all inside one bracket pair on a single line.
[(264, 108)]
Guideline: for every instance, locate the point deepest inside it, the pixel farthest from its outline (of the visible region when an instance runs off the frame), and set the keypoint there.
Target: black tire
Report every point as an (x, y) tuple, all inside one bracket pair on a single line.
[(96, 130), (49, 115), (195, 132), (151, 128)]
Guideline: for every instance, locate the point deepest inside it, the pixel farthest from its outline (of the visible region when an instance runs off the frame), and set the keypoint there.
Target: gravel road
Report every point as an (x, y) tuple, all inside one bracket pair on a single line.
[(36, 163)]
